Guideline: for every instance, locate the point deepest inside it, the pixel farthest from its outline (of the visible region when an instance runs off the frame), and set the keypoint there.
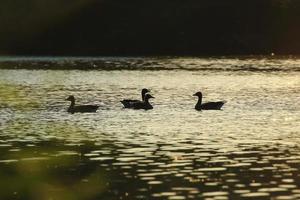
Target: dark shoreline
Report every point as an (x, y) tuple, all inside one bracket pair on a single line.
[(163, 56), (248, 63)]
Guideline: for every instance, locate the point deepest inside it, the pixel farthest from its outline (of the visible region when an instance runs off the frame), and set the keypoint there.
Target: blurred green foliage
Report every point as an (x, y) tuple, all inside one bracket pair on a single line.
[(53, 176)]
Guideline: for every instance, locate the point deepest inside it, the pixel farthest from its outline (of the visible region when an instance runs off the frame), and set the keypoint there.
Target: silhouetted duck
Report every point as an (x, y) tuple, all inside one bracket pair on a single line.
[(143, 104), (128, 102), (82, 108), (209, 105)]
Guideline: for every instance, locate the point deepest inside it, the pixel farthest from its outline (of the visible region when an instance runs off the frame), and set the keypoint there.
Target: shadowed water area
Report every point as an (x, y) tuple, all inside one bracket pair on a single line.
[(248, 150)]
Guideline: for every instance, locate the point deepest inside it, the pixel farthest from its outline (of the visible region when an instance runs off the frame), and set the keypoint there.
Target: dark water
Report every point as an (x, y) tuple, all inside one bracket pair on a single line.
[(249, 150)]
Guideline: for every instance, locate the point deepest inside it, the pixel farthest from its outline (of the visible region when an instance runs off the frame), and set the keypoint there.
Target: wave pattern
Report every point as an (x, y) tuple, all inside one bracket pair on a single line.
[(248, 150), (248, 64)]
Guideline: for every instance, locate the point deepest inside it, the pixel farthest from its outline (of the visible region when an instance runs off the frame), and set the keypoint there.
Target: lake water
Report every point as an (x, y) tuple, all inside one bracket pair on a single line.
[(248, 150)]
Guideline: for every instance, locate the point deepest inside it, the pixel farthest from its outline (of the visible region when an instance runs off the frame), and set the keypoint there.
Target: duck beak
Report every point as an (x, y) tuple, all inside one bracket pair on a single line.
[(195, 94)]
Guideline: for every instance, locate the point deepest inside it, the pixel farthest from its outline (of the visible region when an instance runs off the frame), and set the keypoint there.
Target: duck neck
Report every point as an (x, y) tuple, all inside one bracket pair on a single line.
[(72, 104), (147, 104), (146, 100), (199, 101), (143, 95)]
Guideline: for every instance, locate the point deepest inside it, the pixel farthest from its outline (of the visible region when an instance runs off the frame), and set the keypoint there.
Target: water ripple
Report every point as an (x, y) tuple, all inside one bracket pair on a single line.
[(249, 150)]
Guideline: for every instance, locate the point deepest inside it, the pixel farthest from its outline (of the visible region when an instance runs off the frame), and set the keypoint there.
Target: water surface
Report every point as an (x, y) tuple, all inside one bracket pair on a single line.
[(249, 150)]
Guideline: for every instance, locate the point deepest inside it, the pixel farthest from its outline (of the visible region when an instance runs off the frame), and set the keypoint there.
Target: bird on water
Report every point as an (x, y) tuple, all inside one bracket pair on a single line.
[(127, 103), (208, 105), (81, 108), (143, 104)]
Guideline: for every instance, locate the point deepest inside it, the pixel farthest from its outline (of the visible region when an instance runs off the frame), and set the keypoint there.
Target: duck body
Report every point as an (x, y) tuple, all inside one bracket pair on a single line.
[(143, 104), (208, 105), (81, 108), (128, 103)]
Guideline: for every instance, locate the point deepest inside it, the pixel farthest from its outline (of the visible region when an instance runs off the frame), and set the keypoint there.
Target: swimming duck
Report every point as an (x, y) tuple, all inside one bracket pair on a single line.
[(82, 108), (209, 105), (128, 102), (143, 104)]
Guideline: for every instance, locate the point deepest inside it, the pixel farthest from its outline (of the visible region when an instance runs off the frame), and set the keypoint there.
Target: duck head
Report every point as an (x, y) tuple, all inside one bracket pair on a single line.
[(148, 96), (198, 94), (145, 90), (70, 98)]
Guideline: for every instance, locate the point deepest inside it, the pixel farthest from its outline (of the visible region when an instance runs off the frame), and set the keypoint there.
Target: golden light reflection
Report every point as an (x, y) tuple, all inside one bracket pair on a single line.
[(17, 97)]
